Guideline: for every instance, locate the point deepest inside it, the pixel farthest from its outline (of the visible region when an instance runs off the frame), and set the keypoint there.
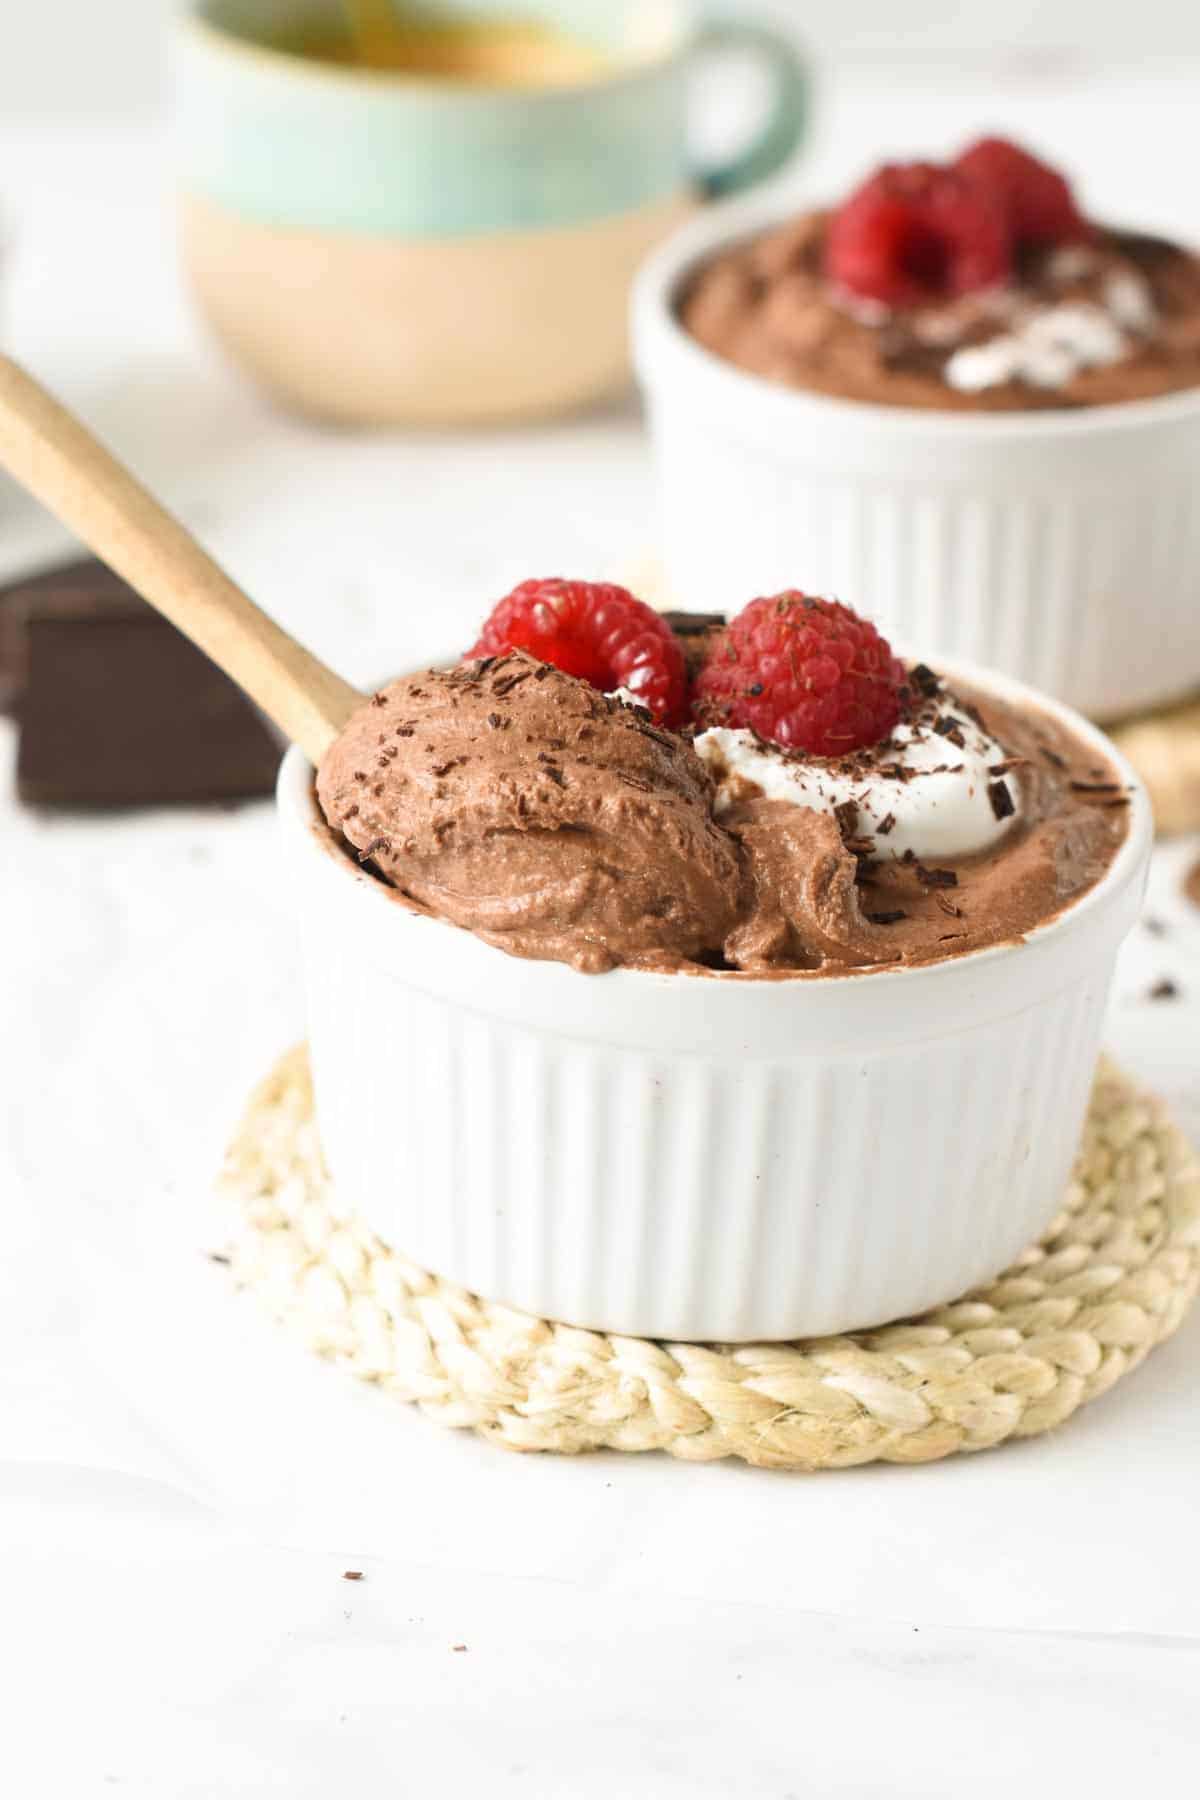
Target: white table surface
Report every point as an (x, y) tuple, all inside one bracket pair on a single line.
[(181, 1489)]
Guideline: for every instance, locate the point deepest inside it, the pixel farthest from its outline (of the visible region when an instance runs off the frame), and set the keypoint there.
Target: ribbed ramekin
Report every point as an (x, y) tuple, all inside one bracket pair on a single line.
[(1060, 548), (697, 1157)]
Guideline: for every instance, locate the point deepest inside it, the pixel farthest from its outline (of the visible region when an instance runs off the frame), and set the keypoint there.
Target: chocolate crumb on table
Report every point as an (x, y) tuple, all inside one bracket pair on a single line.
[(1164, 989)]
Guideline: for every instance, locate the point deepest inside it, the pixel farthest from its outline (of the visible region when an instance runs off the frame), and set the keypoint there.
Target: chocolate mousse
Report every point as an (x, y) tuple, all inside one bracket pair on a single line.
[(545, 817), (975, 286), (845, 888), (555, 821)]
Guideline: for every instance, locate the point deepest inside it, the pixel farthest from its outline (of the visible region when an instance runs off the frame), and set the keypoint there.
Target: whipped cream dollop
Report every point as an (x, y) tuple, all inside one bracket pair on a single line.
[(925, 795), (1050, 345)]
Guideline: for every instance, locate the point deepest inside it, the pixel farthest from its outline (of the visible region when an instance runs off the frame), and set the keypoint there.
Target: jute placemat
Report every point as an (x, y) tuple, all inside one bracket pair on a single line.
[(1111, 1279)]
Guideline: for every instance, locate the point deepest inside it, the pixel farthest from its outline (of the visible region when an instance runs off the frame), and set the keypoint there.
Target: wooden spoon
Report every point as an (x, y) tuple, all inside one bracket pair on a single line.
[(48, 450)]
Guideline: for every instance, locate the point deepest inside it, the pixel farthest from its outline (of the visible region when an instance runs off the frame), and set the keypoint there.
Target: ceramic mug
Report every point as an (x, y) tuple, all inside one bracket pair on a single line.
[(388, 246)]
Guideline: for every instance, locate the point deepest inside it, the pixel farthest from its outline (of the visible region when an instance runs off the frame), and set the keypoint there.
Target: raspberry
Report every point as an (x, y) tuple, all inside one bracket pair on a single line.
[(598, 632), (808, 674), (916, 232), (1036, 200)]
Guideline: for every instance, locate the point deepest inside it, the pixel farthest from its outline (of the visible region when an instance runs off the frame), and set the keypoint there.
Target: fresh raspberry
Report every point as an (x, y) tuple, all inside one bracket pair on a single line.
[(808, 674), (1036, 200), (597, 631), (916, 232)]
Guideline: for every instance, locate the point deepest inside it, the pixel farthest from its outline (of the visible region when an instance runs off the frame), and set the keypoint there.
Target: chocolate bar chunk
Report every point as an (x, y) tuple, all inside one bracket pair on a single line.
[(694, 629), (116, 708), (73, 588)]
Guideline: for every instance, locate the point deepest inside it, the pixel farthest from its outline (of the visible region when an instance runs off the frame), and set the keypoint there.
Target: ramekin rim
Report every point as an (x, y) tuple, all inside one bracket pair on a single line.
[(656, 327), (297, 805)]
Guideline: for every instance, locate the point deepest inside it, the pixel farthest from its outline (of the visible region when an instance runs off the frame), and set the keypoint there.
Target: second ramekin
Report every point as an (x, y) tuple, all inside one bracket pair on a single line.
[(1060, 548), (695, 1157)]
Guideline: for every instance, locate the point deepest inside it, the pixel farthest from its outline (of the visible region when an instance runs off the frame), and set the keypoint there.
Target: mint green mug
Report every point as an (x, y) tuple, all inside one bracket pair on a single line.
[(402, 244)]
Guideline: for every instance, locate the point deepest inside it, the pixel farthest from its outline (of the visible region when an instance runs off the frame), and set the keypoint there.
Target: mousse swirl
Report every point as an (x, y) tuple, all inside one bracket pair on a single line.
[(555, 822)]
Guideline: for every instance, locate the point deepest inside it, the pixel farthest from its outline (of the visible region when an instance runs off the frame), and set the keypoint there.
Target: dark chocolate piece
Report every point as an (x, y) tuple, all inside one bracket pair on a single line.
[(118, 709), (1001, 798), (79, 589), (694, 624)]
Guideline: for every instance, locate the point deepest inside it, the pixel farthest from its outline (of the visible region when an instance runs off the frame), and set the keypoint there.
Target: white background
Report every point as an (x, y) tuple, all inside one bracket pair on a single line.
[(104, 56), (180, 1488)]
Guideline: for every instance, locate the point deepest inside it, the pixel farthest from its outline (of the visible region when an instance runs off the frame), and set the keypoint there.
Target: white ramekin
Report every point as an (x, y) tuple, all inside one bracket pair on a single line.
[(695, 1157), (1060, 548)]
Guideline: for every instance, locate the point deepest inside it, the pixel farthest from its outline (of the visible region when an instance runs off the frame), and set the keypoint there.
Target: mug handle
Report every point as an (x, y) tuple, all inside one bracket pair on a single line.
[(787, 118)]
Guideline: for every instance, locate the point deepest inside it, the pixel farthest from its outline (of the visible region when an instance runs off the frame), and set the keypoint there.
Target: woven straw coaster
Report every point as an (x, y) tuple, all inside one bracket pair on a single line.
[(1112, 1278), (1164, 748)]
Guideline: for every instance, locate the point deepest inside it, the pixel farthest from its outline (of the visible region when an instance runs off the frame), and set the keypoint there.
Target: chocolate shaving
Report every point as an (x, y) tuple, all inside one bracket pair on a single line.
[(936, 878), (924, 680), (379, 843), (948, 906), (693, 624), (888, 918), (650, 730), (950, 727), (378, 699), (1001, 799), (1095, 787), (846, 814), (1165, 989), (885, 825)]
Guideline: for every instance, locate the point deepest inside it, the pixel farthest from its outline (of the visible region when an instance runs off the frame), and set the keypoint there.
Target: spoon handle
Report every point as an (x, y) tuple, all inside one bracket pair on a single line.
[(48, 450)]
